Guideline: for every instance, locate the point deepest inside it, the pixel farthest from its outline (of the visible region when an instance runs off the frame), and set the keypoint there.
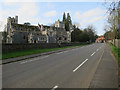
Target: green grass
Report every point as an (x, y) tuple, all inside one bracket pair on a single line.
[(34, 51), (116, 52)]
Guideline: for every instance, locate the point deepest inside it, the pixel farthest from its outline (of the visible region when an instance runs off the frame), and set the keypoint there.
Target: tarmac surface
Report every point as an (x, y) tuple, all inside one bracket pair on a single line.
[(90, 66), (106, 75)]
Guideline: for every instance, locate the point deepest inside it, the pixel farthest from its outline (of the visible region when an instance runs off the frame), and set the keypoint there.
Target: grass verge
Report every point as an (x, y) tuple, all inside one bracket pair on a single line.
[(116, 52), (34, 51)]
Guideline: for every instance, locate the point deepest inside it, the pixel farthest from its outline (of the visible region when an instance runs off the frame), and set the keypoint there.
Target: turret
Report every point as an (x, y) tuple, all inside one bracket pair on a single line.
[(59, 24), (16, 19), (42, 28)]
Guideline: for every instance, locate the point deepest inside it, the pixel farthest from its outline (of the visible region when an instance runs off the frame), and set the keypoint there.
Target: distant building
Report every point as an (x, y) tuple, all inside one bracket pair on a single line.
[(100, 39), (26, 33), (27, 23)]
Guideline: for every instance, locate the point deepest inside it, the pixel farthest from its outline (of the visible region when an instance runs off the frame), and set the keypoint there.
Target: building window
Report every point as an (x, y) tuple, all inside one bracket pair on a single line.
[(50, 33), (35, 41), (60, 38), (65, 38), (24, 37)]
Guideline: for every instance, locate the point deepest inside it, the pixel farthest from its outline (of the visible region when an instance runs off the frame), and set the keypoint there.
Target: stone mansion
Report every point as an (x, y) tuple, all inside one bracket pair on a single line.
[(26, 33)]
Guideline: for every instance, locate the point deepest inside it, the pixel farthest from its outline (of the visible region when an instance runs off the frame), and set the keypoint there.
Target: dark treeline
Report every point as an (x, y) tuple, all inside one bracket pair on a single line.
[(86, 35), (78, 35)]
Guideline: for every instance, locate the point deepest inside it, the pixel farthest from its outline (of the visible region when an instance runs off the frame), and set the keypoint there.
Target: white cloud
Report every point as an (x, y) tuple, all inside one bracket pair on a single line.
[(95, 19), (93, 13), (94, 16), (50, 5), (67, 11), (77, 15), (77, 24), (59, 0), (26, 11), (90, 16), (50, 13), (7, 1)]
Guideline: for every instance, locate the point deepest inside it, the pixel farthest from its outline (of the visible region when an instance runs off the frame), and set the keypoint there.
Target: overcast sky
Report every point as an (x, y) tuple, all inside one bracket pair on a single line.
[(82, 13)]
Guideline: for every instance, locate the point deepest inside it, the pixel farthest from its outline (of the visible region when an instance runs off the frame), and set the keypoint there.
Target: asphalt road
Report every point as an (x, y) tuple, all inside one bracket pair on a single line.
[(73, 68)]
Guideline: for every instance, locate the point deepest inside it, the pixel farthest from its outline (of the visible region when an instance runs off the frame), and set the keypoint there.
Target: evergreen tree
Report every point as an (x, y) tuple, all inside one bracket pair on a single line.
[(69, 18), (67, 26), (68, 22), (64, 17)]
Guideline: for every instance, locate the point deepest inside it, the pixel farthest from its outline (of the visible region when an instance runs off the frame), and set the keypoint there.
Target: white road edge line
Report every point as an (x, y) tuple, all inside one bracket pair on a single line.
[(65, 51), (92, 54), (44, 57), (80, 65), (54, 87), (23, 62), (59, 53), (34, 60)]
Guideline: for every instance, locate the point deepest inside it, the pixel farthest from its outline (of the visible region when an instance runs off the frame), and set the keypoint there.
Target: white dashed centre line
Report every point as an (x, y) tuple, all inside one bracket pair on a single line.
[(54, 87), (92, 54), (80, 65), (97, 49)]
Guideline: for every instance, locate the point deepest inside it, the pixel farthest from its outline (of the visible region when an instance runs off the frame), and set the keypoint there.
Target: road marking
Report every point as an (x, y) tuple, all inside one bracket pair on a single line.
[(54, 87), (23, 62), (97, 49), (73, 49), (33, 60), (80, 65), (44, 57), (92, 54), (65, 51), (59, 53), (30, 60)]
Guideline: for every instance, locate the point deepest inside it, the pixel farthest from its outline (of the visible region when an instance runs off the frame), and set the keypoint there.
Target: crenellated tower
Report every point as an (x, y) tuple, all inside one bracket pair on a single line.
[(10, 21)]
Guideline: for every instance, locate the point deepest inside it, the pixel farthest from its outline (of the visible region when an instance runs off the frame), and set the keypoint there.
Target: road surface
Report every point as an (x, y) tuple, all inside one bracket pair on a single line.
[(73, 68)]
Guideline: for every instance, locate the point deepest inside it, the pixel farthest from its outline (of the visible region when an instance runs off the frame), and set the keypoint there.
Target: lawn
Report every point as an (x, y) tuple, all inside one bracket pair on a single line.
[(116, 52), (34, 51)]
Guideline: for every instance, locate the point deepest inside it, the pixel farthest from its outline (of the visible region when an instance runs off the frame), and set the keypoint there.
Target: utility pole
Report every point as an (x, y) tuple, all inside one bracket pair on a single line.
[(118, 10), (113, 12), (114, 22)]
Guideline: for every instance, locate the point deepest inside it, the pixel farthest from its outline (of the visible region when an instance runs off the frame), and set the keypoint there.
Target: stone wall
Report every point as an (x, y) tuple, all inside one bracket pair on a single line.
[(117, 42), (20, 47)]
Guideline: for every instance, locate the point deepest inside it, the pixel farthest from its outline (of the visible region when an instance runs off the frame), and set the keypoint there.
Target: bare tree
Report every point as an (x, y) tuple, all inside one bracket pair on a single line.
[(113, 17), (91, 32)]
